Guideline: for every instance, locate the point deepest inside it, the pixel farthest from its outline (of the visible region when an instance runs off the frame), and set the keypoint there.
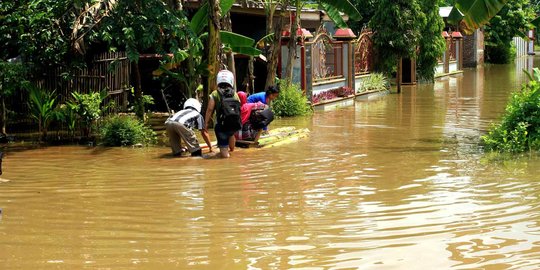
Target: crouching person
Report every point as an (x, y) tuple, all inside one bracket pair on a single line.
[(180, 127), (255, 117)]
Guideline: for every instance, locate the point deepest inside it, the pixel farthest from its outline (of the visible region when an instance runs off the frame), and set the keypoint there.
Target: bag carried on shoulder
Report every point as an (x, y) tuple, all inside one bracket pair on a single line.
[(260, 118), (229, 116)]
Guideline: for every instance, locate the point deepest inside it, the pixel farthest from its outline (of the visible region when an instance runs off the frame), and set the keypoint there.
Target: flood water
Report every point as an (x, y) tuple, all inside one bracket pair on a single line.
[(396, 182)]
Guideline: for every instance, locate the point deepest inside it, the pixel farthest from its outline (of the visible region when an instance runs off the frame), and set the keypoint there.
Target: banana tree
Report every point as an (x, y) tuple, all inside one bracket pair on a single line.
[(273, 36), (209, 15), (472, 15)]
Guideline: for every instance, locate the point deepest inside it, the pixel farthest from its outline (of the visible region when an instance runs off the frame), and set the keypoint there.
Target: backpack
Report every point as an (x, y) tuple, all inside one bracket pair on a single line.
[(260, 118), (229, 114)]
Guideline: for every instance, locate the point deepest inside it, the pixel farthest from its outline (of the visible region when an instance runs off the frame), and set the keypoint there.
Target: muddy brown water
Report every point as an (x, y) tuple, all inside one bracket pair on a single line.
[(396, 182)]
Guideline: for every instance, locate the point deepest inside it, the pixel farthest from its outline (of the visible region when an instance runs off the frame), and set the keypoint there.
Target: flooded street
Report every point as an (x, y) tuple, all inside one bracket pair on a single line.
[(396, 182)]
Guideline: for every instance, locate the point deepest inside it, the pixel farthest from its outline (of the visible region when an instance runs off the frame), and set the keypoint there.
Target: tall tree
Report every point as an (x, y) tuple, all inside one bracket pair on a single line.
[(295, 21), (513, 20), (397, 25), (213, 44), (140, 26), (367, 10), (38, 31), (431, 43), (274, 9)]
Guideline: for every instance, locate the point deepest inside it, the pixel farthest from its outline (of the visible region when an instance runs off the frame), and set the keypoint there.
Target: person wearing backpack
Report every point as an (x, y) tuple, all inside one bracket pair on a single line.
[(226, 104), (254, 117)]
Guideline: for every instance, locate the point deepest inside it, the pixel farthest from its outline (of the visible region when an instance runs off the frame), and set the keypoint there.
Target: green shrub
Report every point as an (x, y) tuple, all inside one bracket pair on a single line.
[(126, 130), (291, 101), (375, 82), (519, 129), (88, 108), (500, 53), (42, 106)]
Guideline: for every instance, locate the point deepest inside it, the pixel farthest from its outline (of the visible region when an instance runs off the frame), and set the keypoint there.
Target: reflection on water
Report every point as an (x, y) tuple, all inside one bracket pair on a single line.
[(398, 182)]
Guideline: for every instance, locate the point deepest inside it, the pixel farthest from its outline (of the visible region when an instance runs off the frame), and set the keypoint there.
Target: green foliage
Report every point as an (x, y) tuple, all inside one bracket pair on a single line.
[(42, 106), (88, 109), (67, 115), (375, 81), (367, 10), (432, 44), (141, 104), (37, 30), (500, 53), (519, 129), (397, 25), (334, 8), (512, 20), (475, 13), (126, 130), (12, 78), (291, 101), (137, 26)]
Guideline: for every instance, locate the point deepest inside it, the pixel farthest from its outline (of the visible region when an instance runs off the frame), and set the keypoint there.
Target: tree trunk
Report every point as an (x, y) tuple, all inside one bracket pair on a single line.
[(4, 117), (275, 45), (292, 46), (250, 88), (226, 25), (214, 43), (139, 105)]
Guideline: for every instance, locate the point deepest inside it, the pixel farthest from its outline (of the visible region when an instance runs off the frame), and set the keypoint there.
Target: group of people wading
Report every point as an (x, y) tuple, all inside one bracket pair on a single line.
[(238, 117)]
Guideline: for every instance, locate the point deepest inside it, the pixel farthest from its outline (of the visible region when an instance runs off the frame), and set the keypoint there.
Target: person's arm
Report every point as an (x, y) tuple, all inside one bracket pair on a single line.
[(209, 112), (206, 137), (257, 136)]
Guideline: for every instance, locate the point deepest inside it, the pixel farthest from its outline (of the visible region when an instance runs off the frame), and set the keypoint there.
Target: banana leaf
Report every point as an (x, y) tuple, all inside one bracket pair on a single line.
[(251, 51), (344, 6), (476, 13), (200, 19), (235, 39), (334, 14)]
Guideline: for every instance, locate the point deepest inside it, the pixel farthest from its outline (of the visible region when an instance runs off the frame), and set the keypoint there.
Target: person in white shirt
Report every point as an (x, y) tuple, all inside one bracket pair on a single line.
[(180, 127)]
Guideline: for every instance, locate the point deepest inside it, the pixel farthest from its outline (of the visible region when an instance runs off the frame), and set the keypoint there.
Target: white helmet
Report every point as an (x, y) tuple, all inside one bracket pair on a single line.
[(225, 76), (192, 103)]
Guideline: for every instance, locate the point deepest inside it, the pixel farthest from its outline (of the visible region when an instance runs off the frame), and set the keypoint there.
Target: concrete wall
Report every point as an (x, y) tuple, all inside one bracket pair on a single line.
[(359, 81), (297, 65), (328, 85)]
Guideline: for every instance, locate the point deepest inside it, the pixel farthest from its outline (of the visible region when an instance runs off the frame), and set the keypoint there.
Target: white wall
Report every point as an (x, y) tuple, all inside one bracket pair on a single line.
[(521, 46)]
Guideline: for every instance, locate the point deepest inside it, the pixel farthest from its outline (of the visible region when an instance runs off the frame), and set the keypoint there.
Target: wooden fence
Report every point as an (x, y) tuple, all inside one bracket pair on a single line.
[(107, 71)]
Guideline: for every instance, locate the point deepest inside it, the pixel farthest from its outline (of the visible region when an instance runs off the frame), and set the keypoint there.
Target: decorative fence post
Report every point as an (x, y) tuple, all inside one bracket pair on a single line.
[(347, 36), (447, 53), (363, 58), (457, 38), (308, 70)]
